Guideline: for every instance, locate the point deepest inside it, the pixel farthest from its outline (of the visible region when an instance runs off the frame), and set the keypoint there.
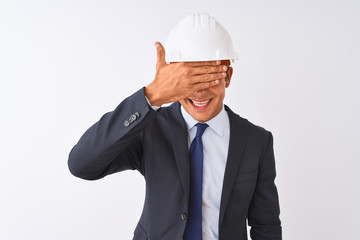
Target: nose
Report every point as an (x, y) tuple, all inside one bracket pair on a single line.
[(200, 93)]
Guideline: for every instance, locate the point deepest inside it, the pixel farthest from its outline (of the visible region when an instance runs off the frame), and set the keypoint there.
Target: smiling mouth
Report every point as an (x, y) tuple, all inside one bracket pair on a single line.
[(200, 104)]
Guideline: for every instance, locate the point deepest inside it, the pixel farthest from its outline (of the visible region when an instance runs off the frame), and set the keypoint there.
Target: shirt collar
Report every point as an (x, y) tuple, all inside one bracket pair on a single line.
[(217, 123)]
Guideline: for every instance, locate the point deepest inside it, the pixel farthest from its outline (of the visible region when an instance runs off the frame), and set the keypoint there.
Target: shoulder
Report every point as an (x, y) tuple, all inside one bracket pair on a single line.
[(255, 131), (170, 113)]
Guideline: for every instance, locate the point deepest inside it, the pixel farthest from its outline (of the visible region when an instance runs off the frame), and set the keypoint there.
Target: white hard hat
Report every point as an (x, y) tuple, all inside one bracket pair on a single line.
[(199, 37)]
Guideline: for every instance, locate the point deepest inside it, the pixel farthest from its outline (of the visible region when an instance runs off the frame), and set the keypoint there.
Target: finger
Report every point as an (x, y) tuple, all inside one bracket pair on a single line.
[(207, 77), (160, 55), (204, 63), (205, 85), (208, 69)]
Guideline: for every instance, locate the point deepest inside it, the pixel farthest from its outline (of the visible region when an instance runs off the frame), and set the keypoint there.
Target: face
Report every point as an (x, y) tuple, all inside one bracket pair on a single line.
[(205, 104)]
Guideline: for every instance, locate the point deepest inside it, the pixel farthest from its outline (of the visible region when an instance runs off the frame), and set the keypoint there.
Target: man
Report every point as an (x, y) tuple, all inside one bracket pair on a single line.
[(207, 170)]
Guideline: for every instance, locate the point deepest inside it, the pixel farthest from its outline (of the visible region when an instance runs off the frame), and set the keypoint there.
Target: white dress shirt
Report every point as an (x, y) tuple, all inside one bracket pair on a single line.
[(215, 144)]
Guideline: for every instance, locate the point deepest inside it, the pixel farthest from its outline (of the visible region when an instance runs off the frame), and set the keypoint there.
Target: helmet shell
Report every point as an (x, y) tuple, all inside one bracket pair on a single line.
[(199, 37)]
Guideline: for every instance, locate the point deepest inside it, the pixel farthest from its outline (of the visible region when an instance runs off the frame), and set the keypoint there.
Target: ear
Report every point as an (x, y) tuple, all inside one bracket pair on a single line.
[(228, 79)]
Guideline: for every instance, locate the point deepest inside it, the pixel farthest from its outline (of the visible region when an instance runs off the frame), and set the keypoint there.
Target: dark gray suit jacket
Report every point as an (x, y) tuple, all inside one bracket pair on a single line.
[(134, 136)]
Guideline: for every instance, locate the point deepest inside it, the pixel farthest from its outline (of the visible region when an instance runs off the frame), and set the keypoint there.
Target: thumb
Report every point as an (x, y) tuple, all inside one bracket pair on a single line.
[(160, 55)]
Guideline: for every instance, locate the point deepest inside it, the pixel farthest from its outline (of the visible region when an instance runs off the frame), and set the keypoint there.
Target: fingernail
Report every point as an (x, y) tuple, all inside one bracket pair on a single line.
[(224, 74), (224, 68), (217, 81)]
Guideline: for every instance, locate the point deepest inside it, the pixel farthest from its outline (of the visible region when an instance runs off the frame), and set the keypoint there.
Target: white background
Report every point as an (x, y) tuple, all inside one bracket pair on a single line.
[(63, 64)]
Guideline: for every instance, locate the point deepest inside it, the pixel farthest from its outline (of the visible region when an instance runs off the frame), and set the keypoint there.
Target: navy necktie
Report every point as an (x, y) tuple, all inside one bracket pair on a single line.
[(193, 229)]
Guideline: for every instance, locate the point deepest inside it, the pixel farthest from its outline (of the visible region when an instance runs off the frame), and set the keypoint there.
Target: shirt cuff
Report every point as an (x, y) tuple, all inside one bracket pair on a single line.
[(153, 107)]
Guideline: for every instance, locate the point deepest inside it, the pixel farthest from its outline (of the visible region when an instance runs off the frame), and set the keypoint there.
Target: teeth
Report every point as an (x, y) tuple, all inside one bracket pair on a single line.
[(200, 104)]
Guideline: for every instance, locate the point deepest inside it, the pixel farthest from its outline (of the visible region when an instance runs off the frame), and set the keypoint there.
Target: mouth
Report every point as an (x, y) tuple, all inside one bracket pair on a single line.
[(200, 104)]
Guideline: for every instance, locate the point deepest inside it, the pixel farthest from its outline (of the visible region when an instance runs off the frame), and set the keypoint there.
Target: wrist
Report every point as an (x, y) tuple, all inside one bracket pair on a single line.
[(152, 95)]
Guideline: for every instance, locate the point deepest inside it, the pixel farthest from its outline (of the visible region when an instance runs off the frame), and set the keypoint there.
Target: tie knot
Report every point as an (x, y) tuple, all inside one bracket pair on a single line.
[(200, 129)]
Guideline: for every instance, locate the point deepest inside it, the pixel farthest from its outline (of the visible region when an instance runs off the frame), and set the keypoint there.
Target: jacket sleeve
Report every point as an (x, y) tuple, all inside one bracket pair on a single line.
[(264, 210), (114, 142)]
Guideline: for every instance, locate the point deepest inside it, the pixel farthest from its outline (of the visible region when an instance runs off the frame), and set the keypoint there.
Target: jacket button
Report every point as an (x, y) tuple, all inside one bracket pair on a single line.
[(133, 118), (137, 114), (126, 123), (183, 216)]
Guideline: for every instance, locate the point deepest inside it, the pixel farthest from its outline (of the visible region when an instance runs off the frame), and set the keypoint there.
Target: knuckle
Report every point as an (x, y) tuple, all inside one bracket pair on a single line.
[(187, 70)]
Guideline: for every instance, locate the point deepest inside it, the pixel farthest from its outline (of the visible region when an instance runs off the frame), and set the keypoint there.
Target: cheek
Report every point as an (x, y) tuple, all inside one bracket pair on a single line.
[(219, 91)]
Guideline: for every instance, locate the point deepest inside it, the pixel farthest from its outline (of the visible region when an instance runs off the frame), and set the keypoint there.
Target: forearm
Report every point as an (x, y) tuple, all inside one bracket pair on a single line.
[(114, 142)]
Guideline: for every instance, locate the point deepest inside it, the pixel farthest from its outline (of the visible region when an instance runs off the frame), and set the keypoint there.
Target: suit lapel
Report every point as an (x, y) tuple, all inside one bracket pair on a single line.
[(238, 135), (178, 130)]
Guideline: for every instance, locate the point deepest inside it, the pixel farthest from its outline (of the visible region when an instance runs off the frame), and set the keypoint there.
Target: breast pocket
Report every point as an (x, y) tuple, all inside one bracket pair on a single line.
[(246, 177)]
